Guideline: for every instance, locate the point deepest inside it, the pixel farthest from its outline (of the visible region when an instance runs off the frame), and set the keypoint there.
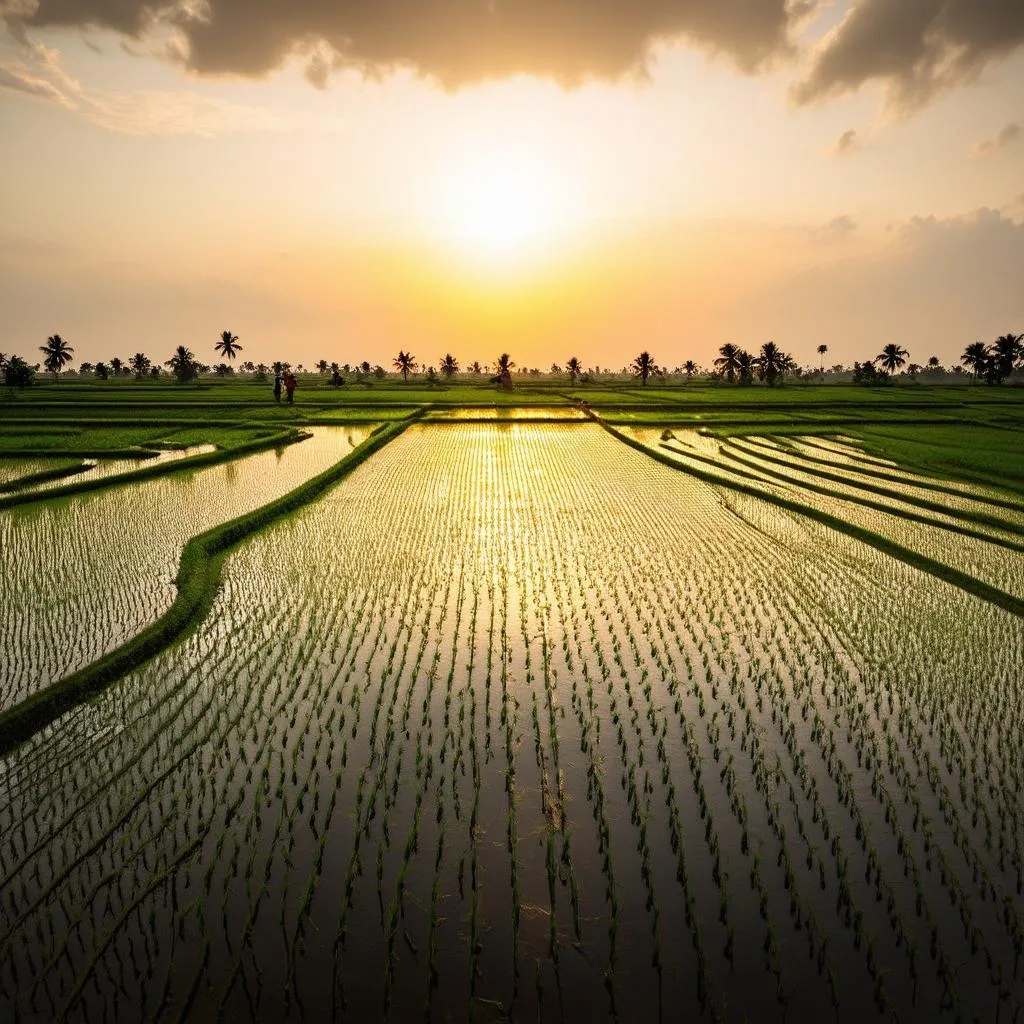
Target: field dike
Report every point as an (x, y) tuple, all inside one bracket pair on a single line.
[(970, 584), (288, 436), (197, 580), (42, 477)]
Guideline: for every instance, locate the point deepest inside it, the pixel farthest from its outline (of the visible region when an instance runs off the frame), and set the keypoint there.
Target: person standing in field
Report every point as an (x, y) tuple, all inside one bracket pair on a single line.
[(277, 387), (289, 386)]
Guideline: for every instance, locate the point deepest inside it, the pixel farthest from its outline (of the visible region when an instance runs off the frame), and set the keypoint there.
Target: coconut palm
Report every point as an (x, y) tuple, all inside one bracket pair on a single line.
[(746, 364), (728, 360), (689, 368), (321, 367), (476, 368), (183, 365), (892, 357), (449, 366), (771, 362), (643, 366), (141, 364), (404, 363), (822, 349), (1007, 351), (574, 368), (58, 353), (975, 357), (228, 345)]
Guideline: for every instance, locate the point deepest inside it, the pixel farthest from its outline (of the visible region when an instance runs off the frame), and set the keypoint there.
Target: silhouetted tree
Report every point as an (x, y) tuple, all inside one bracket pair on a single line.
[(689, 368), (822, 349), (892, 357), (933, 363), (1007, 352), (449, 366), (975, 358), (228, 345), (643, 366), (116, 366), (223, 370), (140, 364), (405, 362), (18, 373), (728, 360), (771, 362), (58, 354), (102, 371), (475, 368), (746, 364), (183, 365), (575, 368), (85, 367), (321, 367)]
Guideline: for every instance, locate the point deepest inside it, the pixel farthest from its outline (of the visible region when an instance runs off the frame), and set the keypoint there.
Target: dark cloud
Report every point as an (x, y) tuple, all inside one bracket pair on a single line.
[(1007, 136), (846, 143), (454, 41), (916, 47)]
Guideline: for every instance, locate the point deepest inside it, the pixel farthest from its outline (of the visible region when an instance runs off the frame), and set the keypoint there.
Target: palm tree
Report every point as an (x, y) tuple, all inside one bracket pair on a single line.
[(228, 345), (183, 365), (575, 368), (504, 368), (728, 360), (643, 366), (449, 366), (140, 364), (689, 368), (892, 357), (58, 353), (249, 366), (475, 368), (822, 349), (404, 362), (116, 366), (933, 363), (1007, 351), (975, 357), (321, 367), (771, 362), (746, 364)]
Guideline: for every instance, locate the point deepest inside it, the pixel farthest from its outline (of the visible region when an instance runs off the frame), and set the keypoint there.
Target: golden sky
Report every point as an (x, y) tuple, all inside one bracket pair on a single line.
[(586, 178)]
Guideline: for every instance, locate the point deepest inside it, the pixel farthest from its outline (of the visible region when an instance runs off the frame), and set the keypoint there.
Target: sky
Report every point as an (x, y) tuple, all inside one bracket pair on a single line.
[(341, 180)]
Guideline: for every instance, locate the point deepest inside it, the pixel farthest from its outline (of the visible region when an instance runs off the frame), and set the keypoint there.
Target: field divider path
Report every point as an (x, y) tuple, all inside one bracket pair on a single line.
[(970, 584), (291, 435), (735, 452), (198, 576)]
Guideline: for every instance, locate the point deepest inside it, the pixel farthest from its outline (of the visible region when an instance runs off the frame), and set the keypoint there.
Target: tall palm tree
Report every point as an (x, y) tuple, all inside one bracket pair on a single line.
[(183, 365), (822, 349), (574, 368), (228, 345), (404, 363), (449, 366), (689, 368), (728, 360), (643, 366), (771, 362), (140, 364), (321, 367), (746, 364), (892, 357), (58, 353), (1008, 350), (476, 368), (975, 357)]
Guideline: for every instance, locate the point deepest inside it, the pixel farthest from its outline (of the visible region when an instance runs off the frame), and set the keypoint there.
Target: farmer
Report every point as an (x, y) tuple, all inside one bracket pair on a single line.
[(277, 387), (289, 386)]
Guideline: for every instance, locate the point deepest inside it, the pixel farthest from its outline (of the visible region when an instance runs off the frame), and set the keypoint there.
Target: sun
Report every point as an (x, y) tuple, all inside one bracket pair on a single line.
[(501, 203)]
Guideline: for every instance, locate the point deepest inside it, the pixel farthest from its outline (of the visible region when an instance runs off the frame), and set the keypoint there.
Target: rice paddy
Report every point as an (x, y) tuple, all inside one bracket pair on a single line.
[(516, 720)]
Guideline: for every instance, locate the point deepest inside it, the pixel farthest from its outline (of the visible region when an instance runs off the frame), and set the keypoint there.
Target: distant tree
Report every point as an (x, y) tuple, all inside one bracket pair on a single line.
[(933, 363), (892, 357), (822, 349), (58, 354), (116, 366), (102, 371), (18, 373), (689, 368), (141, 364), (277, 366), (379, 372), (336, 378), (975, 358), (321, 367), (84, 368), (746, 364), (476, 368), (772, 362), (405, 363), (431, 375), (449, 366), (556, 370), (729, 361), (249, 366), (183, 365), (228, 345), (154, 371), (3, 360), (575, 368), (913, 369), (643, 366), (1007, 352), (223, 370), (868, 375)]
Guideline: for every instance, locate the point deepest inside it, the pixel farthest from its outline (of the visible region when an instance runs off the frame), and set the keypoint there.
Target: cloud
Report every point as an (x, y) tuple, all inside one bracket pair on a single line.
[(836, 229), (1007, 136), (454, 41), (916, 48), (17, 80), (846, 143)]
